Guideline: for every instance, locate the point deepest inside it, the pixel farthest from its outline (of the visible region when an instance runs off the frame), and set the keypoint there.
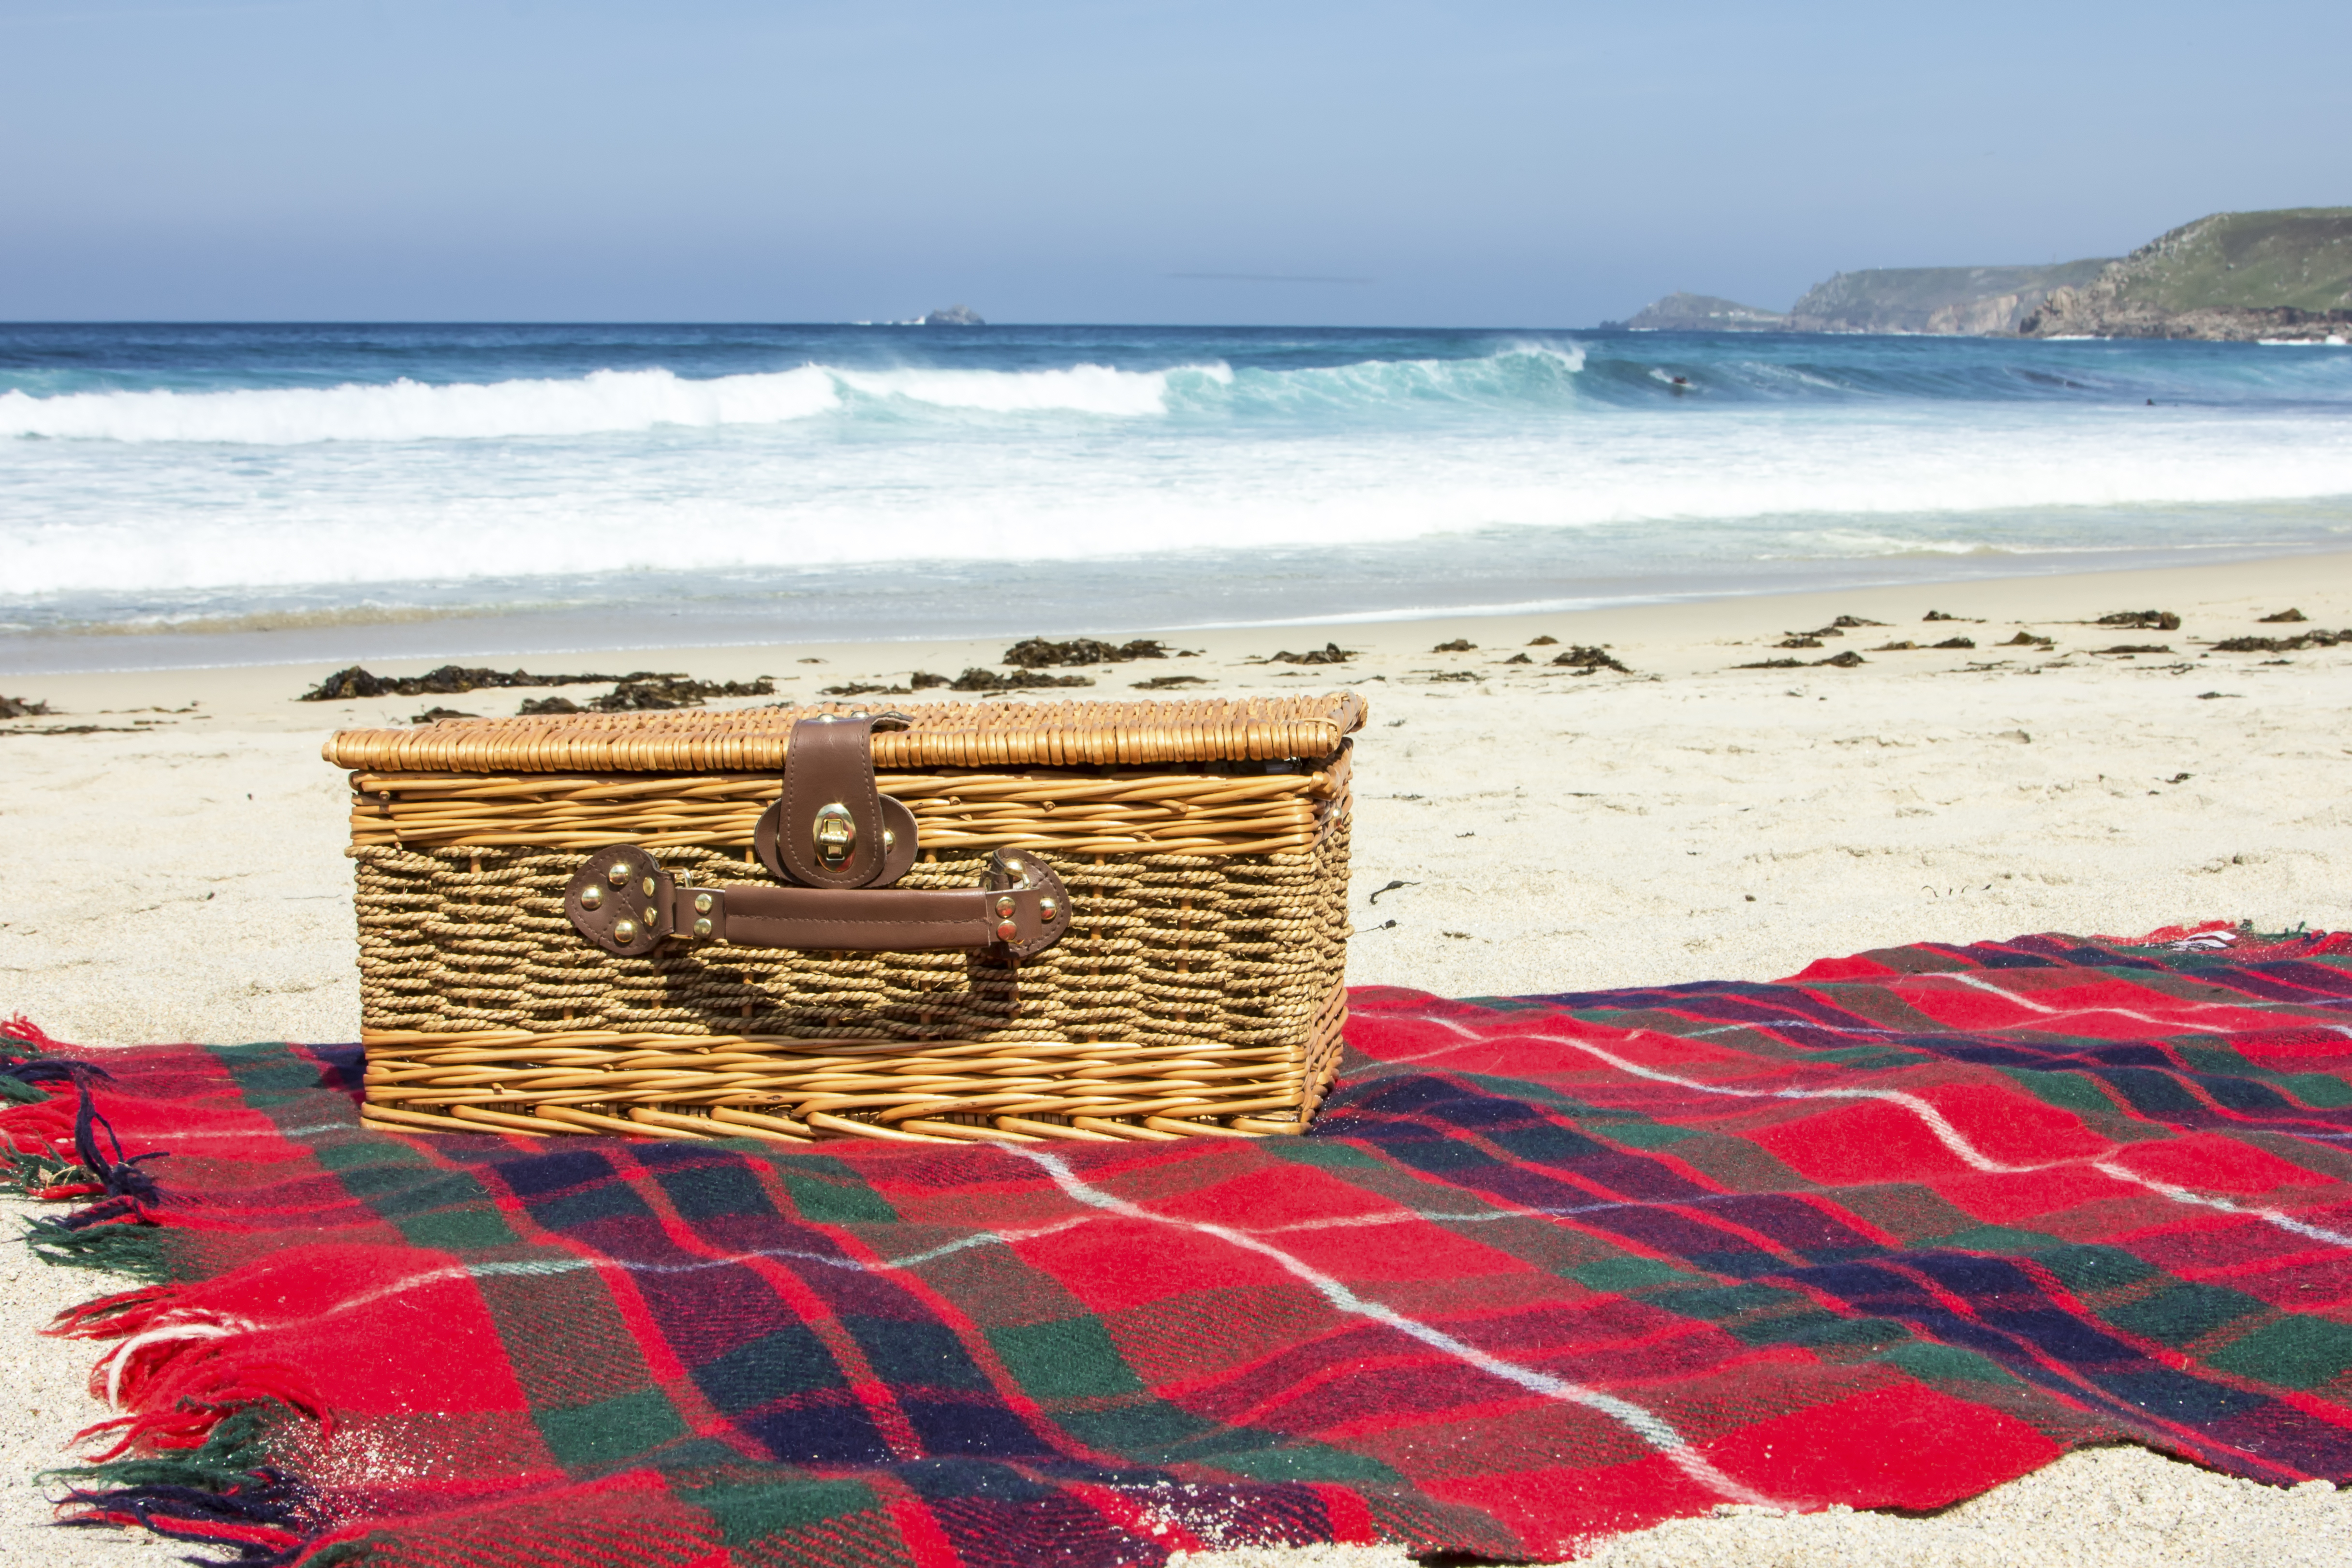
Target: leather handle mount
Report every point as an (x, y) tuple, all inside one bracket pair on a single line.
[(843, 843), (626, 902)]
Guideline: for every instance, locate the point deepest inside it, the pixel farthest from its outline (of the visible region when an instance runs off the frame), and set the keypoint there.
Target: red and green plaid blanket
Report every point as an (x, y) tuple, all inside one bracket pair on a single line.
[(1886, 1234)]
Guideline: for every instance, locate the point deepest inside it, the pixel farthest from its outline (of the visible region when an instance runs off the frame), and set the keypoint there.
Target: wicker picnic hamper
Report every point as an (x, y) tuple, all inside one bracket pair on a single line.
[(993, 921)]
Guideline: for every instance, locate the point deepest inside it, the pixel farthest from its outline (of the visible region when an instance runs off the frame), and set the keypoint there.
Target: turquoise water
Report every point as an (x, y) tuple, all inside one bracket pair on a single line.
[(509, 488)]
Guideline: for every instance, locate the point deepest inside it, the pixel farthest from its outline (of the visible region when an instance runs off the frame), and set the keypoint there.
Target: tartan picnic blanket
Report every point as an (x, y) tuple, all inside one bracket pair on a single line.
[(1886, 1234)]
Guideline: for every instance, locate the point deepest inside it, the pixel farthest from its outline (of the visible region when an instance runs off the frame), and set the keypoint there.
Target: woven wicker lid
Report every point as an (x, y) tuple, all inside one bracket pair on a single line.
[(942, 734)]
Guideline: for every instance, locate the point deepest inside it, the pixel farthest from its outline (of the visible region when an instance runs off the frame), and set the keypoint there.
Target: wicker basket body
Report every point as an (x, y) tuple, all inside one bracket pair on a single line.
[(1199, 991)]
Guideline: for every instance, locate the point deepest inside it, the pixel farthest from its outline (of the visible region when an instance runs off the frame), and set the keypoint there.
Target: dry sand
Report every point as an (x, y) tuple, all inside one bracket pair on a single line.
[(177, 874)]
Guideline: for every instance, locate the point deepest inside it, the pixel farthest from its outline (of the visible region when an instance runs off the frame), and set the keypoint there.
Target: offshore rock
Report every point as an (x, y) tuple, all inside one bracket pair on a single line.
[(954, 316), (1704, 313)]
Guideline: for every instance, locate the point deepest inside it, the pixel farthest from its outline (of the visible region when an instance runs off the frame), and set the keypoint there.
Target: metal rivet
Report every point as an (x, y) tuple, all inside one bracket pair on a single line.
[(702, 903), (591, 896), (1005, 905), (1007, 931), (625, 931), (889, 840), (650, 921), (1048, 908), (702, 928), (619, 875), (649, 887), (1013, 866)]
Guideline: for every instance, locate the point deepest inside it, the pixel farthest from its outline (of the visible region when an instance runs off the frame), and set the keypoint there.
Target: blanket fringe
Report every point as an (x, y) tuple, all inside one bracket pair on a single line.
[(221, 1492), (189, 1458), (188, 1462), (51, 1144)]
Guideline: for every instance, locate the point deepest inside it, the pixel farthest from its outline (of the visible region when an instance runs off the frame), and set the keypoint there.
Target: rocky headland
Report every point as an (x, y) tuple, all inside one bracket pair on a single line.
[(1976, 301), (2230, 277)]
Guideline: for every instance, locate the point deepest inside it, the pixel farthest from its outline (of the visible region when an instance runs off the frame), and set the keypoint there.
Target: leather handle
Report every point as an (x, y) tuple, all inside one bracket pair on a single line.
[(626, 902)]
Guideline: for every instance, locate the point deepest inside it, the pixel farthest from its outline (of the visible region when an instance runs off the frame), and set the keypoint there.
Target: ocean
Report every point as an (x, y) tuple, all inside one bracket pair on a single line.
[(203, 494)]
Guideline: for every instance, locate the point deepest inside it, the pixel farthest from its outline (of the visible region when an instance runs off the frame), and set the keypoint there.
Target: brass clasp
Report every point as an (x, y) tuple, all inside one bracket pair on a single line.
[(836, 835)]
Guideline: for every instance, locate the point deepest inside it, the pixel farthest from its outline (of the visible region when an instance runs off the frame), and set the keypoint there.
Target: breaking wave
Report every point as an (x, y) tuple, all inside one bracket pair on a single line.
[(1520, 380), (613, 401)]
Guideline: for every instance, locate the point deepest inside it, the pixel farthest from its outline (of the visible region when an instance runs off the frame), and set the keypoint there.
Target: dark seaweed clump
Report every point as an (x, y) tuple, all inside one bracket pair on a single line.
[(1845, 661), (446, 682), (2283, 645), (1037, 654), (643, 691), (920, 681), (1329, 654), (979, 680), (636, 691)]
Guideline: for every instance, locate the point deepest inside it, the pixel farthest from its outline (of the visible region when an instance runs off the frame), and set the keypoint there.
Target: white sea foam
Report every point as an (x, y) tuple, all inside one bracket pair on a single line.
[(405, 409), (601, 402), (1746, 484), (186, 495)]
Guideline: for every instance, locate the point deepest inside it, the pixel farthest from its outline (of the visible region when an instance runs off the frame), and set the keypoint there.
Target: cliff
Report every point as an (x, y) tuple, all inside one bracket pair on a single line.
[(1704, 313), (2229, 276), (1940, 300)]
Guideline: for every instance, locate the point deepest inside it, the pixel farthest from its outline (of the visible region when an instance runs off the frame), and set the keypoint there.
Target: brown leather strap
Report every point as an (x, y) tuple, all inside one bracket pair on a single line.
[(829, 791), (898, 840), (626, 902)]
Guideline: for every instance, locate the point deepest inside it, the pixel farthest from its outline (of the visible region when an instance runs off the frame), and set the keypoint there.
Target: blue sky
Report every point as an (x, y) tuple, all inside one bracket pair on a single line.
[(1470, 163)]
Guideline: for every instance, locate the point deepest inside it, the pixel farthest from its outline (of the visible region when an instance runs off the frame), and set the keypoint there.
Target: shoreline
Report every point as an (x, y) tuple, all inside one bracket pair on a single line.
[(2028, 595), (715, 623)]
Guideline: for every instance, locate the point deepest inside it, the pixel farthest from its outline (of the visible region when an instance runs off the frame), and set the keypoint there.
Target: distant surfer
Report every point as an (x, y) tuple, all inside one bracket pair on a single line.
[(1681, 385)]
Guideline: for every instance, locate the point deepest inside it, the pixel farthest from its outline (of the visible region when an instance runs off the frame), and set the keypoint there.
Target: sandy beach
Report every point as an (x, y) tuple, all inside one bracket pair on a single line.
[(176, 849)]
